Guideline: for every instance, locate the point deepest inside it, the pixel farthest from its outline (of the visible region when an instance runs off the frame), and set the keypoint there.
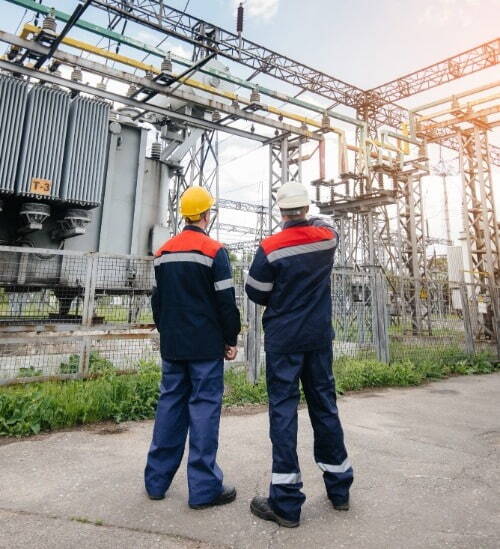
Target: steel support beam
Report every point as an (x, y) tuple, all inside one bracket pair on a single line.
[(481, 231), (284, 165)]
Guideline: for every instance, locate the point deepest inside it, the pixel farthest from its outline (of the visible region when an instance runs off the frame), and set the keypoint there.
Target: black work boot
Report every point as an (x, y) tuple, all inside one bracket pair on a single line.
[(260, 508), (341, 506), (155, 497), (227, 495)]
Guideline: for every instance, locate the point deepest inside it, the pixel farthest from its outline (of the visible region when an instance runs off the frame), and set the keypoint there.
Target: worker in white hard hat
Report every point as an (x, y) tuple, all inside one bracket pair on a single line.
[(291, 276)]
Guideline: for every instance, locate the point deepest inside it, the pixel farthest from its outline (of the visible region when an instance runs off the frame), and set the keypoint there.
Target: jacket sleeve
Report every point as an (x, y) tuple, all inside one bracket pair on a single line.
[(155, 303), (229, 315), (320, 222), (260, 280)]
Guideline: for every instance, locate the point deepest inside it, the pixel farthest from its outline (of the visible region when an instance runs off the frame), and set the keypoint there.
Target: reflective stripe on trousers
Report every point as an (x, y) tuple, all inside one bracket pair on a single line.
[(314, 369)]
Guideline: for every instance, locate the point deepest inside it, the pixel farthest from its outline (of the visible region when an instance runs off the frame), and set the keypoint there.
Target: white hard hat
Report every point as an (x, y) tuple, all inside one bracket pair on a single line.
[(292, 195)]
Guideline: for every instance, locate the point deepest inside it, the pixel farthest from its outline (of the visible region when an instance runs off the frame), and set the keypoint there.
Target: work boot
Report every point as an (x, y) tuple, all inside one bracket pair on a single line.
[(260, 508), (227, 495), (342, 506), (155, 497)]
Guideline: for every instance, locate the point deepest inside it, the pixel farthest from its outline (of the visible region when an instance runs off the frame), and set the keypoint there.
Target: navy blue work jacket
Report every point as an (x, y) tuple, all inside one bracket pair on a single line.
[(194, 305), (291, 276)]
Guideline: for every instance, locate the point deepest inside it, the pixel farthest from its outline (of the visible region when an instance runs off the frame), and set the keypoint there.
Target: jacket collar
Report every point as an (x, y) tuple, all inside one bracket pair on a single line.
[(194, 228), (295, 223)]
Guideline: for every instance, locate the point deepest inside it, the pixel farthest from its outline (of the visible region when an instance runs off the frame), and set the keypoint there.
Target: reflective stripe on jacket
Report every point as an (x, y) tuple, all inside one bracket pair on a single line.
[(291, 276), (194, 305)]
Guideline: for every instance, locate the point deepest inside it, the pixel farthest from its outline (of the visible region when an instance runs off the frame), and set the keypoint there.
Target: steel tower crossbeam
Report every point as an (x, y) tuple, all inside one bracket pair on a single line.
[(156, 14), (241, 206), (230, 228), (476, 59), (200, 33)]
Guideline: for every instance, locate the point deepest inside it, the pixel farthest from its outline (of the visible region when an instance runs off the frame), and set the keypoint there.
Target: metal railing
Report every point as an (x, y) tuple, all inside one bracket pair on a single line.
[(68, 314)]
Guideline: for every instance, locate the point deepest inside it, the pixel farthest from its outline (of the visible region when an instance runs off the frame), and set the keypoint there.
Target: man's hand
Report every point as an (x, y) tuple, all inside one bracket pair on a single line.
[(230, 352)]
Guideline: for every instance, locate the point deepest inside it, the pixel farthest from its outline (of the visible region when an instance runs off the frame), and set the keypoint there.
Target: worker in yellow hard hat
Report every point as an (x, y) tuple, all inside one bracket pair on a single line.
[(195, 202), (194, 309)]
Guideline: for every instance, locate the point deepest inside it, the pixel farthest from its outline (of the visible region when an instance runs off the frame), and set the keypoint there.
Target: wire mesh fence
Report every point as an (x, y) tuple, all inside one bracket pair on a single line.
[(433, 317), (79, 354), (41, 285), (68, 314)]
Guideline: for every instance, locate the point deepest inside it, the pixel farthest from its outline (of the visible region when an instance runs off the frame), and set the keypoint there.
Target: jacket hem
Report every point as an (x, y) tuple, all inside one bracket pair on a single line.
[(292, 350)]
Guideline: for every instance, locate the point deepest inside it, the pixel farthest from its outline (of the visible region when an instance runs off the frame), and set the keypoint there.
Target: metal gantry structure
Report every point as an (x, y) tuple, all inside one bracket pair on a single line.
[(376, 200)]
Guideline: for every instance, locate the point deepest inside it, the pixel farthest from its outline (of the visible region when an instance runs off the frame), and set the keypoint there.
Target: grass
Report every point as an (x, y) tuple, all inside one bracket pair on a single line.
[(32, 408)]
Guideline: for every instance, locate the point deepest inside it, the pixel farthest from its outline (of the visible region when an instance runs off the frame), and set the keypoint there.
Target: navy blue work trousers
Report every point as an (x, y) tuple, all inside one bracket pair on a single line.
[(190, 399), (314, 370)]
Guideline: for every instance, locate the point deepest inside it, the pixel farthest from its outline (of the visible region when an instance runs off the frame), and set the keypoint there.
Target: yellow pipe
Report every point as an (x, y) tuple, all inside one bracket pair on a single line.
[(405, 146), (381, 145), (119, 58)]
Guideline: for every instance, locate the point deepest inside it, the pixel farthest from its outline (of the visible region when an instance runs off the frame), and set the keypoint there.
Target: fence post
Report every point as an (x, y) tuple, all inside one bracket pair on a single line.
[(88, 310), (380, 324), (469, 332), (253, 342)]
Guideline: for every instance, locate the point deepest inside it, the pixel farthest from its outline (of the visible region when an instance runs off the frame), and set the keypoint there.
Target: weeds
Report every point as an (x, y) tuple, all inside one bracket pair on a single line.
[(29, 371), (30, 409), (97, 364)]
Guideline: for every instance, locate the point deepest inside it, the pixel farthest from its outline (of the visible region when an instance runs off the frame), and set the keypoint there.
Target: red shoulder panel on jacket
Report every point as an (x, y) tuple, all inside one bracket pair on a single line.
[(295, 236), (191, 241)]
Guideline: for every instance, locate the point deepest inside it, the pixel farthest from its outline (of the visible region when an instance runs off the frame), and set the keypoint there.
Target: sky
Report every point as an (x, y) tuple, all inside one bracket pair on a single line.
[(363, 42)]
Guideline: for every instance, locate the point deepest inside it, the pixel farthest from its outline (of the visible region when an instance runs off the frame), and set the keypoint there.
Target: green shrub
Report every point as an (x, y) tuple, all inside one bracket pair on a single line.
[(97, 364), (70, 367), (239, 391), (31, 408)]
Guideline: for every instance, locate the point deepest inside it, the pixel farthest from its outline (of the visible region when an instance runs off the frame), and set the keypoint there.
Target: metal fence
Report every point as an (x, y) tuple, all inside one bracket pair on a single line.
[(70, 314)]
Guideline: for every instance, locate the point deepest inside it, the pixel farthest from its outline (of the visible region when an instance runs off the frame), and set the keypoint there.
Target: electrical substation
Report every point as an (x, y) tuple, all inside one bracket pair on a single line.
[(100, 134)]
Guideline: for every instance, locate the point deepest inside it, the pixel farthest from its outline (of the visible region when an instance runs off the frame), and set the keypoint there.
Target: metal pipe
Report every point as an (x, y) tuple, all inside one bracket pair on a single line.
[(136, 218), (465, 118), (163, 195), (458, 107), (456, 96), (401, 137)]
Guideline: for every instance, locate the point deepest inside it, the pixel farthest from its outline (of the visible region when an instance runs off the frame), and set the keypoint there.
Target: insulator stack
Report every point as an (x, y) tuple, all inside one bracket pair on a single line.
[(255, 95), (156, 150), (131, 90), (215, 116), (166, 64), (239, 18), (49, 23), (325, 121), (76, 74)]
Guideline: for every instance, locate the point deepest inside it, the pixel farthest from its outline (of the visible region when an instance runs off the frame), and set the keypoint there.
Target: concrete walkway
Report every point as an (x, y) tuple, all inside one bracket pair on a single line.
[(427, 475)]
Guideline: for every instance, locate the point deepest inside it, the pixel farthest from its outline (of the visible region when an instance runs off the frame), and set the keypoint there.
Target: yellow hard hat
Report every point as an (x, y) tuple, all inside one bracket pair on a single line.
[(195, 201)]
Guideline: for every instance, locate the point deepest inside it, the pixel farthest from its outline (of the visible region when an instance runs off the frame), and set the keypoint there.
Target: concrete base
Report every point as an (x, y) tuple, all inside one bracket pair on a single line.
[(426, 463)]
